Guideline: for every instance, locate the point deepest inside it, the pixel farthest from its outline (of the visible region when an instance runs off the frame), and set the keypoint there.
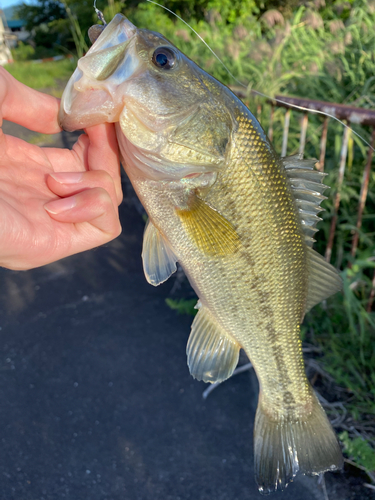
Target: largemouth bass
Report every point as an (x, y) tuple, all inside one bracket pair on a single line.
[(238, 219)]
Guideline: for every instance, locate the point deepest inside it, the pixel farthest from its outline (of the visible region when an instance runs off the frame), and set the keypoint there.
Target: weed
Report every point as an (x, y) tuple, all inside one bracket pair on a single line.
[(42, 76), (183, 306), (359, 451)]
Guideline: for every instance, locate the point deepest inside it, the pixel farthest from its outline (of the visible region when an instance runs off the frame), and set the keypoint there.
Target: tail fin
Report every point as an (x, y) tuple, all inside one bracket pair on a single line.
[(283, 448)]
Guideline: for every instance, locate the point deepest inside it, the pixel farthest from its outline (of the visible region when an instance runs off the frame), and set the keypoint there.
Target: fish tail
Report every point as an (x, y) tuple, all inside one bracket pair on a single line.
[(282, 448)]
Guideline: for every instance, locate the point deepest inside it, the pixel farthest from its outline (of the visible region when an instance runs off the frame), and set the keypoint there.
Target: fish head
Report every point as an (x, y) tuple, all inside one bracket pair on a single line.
[(173, 117), (91, 96)]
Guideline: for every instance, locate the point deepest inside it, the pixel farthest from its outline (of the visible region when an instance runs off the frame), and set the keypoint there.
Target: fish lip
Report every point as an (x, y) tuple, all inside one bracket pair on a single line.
[(118, 31)]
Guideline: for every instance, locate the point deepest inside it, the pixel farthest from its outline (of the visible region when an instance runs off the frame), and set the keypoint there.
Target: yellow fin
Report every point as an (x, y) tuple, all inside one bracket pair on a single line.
[(212, 354), (210, 231)]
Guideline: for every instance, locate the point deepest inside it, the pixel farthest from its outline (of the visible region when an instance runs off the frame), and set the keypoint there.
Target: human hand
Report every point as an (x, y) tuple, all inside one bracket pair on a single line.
[(53, 202)]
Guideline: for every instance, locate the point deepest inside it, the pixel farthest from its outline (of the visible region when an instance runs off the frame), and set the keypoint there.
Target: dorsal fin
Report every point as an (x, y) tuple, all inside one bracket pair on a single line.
[(323, 279), (307, 186)]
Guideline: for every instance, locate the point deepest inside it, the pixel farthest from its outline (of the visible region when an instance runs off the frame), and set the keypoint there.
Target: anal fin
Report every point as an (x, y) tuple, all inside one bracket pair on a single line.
[(159, 261), (212, 354)]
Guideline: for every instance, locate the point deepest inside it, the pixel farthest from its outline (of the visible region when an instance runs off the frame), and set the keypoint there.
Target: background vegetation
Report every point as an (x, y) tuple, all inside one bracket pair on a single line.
[(318, 49)]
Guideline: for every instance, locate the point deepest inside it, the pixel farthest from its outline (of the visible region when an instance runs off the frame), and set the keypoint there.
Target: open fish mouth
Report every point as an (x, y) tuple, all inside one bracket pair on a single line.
[(89, 93)]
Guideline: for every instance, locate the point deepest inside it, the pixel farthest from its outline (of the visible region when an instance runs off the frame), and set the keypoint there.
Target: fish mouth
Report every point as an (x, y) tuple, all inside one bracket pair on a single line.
[(90, 96)]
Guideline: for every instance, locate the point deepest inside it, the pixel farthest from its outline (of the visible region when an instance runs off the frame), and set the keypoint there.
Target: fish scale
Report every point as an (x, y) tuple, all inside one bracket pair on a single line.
[(237, 218), (251, 153), (250, 326)]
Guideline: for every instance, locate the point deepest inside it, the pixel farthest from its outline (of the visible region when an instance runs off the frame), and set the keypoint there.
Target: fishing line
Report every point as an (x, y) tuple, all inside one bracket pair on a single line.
[(201, 39), (317, 112), (295, 106), (100, 14)]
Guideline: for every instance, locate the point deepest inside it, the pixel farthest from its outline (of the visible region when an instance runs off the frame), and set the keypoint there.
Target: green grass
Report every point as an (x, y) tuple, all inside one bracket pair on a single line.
[(183, 306), (51, 75), (345, 332), (359, 451)]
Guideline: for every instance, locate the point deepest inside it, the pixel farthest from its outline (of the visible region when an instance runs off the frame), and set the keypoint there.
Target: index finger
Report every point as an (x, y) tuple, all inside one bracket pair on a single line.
[(98, 150), (27, 107)]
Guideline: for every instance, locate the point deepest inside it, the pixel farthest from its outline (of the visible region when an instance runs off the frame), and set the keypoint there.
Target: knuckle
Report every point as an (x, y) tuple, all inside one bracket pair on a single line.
[(118, 230), (103, 178), (113, 230), (120, 197), (102, 198)]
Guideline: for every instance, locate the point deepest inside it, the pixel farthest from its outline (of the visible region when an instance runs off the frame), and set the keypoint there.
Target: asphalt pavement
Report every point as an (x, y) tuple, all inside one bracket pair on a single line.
[(97, 402)]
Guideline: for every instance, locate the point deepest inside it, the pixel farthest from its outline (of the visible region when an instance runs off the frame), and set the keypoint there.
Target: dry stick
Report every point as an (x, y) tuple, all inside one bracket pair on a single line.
[(323, 144), (371, 475), (312, 349), (302, 141), (285, 133), (270, 129), (372, 295), (344, 151), (322, 481), (238, 370), (363, 434), (313, 364), (363, 195)]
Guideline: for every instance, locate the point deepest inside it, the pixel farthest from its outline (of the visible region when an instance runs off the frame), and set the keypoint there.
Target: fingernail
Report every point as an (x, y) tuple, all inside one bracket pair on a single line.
[(67, 177), (58, 206)]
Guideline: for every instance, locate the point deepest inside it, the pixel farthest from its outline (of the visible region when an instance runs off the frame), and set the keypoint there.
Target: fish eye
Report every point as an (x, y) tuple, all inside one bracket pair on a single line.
[(164, 58)]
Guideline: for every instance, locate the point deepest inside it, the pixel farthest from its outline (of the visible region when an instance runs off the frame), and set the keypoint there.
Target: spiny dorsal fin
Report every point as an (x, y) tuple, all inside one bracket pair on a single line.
[(212, 354), (323, 279), (210, 231), (159, 261), (307, 185)]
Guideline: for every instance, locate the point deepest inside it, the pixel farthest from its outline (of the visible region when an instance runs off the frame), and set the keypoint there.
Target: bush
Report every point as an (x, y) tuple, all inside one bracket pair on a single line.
[(23, 52)]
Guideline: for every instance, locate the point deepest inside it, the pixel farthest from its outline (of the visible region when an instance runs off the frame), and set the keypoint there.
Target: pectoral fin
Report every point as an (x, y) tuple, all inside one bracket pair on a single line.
[(212, 354), (210, 231), (159, 261)]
